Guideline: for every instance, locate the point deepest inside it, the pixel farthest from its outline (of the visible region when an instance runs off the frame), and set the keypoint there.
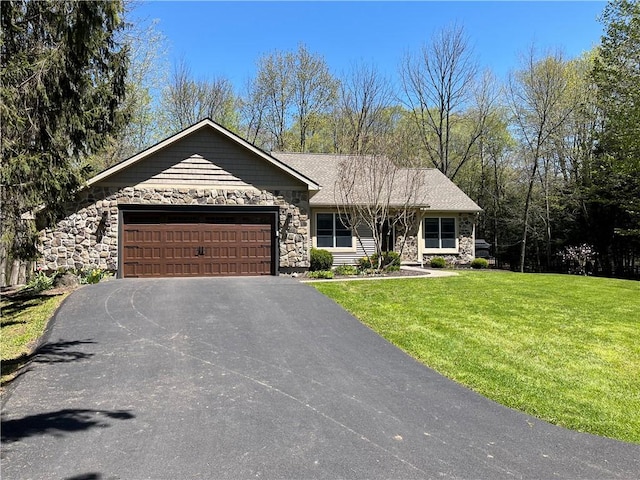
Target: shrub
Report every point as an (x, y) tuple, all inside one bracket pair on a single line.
[(390, 262), (41, 281), (320, 274), (438, 262), (364, 263), (479, 263), (578, 258), (345, 270), (320, 259), (92, 276)]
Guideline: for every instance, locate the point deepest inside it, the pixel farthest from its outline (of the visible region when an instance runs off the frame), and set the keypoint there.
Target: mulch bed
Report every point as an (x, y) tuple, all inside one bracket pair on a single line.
[(398, 274)]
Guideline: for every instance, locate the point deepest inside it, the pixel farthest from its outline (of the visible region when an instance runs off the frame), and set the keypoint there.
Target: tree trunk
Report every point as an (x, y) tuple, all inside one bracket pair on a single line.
[(527, 206)]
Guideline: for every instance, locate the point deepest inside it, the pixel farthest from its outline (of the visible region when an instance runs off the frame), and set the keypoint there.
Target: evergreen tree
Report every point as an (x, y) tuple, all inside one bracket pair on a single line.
[(62, 83), (614, 187)]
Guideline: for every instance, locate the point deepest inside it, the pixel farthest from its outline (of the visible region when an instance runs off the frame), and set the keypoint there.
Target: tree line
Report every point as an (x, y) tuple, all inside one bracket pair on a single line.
[(551, 155)]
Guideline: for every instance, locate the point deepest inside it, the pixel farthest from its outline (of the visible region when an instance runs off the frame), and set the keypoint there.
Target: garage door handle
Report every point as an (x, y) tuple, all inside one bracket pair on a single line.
[(199, 251)]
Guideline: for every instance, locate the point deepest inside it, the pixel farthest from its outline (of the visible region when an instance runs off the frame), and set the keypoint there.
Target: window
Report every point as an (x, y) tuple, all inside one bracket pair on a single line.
[(332, 231), (440, 232)]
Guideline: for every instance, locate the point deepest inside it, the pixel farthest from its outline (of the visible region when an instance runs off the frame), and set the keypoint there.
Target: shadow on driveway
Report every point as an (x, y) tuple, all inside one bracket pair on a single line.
[(59, 423), (50, 352)]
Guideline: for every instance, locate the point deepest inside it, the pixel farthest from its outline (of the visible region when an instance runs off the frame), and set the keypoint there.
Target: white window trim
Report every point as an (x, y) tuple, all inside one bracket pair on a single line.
[(314, 243), (440, 250)]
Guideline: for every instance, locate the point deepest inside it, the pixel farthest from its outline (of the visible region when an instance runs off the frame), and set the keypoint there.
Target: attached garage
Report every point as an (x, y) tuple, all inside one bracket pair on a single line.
[(203, 202), (198, 243)]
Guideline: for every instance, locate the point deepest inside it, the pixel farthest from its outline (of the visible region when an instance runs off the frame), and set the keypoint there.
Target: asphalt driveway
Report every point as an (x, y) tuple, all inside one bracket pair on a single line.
[(260, 378)]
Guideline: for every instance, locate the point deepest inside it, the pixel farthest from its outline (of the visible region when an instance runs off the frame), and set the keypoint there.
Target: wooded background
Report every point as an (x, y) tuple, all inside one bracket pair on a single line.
[(552, 155)]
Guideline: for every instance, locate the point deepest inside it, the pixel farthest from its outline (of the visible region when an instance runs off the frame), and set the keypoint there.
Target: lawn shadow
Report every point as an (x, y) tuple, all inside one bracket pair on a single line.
[(16, 302), (8, 323), (59, 423), (50, 352)]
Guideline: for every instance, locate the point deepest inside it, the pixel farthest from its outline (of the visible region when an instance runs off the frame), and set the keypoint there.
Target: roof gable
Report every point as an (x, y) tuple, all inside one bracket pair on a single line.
[(205, 154)]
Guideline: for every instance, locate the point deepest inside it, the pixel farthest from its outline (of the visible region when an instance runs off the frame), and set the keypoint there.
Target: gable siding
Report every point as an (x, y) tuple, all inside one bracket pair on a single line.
[(204, 159)]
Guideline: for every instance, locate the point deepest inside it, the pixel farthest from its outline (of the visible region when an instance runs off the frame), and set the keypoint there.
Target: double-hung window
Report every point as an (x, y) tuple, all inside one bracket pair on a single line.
[(332, 231), (440, 233)]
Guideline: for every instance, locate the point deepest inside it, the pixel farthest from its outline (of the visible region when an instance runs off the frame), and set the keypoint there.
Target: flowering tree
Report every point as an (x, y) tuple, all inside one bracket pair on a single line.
[(578, 257)]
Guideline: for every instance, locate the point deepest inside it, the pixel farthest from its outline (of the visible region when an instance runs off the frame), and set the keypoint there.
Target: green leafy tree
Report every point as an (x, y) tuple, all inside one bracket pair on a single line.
[(285, 103), (62, 83), (146, 76), (614, 196)]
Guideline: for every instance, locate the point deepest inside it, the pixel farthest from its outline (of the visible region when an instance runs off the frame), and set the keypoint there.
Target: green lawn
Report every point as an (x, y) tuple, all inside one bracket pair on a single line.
[(24, 317), (563, 348)]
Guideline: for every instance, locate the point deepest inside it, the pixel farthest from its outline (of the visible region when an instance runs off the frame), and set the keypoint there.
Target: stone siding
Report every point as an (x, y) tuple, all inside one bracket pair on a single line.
[(88, 237), (409, 246)]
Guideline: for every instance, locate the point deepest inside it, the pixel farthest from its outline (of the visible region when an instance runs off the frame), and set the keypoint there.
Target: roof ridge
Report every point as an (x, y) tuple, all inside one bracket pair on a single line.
[(274, 153)]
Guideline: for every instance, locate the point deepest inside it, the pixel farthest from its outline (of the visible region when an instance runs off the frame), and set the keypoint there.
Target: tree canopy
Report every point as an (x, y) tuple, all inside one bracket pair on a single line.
[(613, 185)]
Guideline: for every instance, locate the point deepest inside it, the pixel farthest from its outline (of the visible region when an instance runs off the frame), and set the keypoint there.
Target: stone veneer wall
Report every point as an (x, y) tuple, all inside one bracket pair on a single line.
[(466, 243), (88, 236), (410, 245)]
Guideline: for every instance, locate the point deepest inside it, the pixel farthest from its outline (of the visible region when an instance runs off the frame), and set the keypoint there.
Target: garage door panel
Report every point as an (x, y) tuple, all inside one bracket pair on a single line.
[(204, 249)]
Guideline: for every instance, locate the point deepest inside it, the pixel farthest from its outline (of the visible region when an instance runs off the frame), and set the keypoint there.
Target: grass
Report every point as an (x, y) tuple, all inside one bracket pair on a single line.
[(562, 348), (24, 318)]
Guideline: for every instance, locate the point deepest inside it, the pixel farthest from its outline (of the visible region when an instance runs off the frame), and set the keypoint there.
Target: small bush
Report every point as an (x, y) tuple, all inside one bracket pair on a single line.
[(364, 263), (345, 270), (390, 262), (320, 274), (92, 276), (438, 262), (479, 263), (41, 281), (320, 259)]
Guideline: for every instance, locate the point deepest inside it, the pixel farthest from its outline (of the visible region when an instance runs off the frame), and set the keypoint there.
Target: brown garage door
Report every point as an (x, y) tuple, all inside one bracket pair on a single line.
[(216, 246)]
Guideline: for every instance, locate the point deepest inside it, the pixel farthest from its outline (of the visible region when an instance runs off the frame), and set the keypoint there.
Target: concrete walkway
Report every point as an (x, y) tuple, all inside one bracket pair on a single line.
[(236, 378), (431, 272)]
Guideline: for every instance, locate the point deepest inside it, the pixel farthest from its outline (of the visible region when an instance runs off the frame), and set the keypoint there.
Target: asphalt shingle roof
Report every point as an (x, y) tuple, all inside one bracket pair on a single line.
[(437, 192)]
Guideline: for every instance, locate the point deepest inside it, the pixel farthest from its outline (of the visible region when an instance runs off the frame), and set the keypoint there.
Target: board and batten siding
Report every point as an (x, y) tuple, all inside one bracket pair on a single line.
[(204, 159)]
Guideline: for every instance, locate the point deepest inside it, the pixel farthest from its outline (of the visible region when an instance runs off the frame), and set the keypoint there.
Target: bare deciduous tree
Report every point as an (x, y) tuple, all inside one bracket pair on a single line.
[(365, 99), (538, 97), (441, 92), (253, 109), (374, 191), (186, 101), (273, 88)]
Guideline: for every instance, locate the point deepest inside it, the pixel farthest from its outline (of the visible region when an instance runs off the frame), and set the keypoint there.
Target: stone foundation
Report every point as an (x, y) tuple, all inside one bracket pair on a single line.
[(88, 237)]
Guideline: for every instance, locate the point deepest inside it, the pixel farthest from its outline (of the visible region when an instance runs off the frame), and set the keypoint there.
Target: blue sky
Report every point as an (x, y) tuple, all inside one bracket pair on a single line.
[(226, 38)]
